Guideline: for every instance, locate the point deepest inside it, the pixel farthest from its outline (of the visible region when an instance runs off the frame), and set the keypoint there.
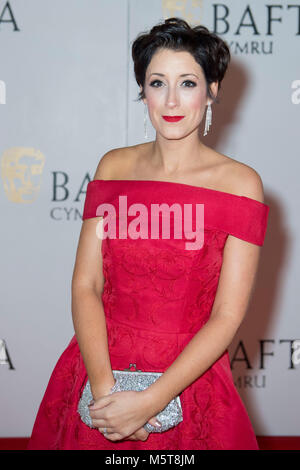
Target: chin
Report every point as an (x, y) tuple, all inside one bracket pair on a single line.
[(173, 137)]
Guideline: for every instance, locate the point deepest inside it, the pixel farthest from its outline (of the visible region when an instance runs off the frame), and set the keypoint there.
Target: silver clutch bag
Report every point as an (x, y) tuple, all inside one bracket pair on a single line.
[(128, 379)]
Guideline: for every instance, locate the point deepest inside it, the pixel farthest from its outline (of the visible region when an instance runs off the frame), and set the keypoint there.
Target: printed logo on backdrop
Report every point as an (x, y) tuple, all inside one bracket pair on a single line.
[(21, 173), (190, 10), (7, 17), (295, 97), (2, 92), (252, 26), (62, 195), (7, 20), (4, 355), (290, 348)]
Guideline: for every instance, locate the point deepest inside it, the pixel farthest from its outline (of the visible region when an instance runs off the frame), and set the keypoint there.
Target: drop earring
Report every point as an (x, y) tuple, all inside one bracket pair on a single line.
[(145, 122), (208, 119)]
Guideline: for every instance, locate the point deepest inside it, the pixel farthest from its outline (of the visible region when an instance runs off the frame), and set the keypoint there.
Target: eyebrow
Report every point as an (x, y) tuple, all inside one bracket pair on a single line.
[(182, 75)]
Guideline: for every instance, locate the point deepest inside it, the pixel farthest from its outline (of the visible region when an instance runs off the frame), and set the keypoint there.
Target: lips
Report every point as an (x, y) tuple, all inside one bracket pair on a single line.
[(173, 118)]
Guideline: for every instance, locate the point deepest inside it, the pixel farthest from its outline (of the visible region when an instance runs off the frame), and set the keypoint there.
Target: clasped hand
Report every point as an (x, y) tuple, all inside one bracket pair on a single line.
[(123, 414)]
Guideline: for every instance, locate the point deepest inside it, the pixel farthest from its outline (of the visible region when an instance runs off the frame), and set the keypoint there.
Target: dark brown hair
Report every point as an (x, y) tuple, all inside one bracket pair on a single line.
[(208, 50)]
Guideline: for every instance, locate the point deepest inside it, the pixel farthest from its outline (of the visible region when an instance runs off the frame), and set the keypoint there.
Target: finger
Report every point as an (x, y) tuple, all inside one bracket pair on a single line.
[(107, 431), (132, 437), (114, 436), (155, 422), (99, 413), (101, 423), (141, 434), (101, 402)]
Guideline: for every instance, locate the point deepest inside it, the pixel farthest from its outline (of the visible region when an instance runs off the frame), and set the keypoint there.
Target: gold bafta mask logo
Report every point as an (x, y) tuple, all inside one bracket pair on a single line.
[(21, 171), (189, 10)]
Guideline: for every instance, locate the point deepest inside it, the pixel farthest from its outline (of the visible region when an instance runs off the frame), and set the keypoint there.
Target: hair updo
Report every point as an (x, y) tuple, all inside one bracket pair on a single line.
[(208, 50)]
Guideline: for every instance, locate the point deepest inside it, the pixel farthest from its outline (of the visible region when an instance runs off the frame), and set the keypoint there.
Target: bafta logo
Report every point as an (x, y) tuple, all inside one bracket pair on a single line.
[(21, 171), (2, 92), (189, 10), (4, 356)]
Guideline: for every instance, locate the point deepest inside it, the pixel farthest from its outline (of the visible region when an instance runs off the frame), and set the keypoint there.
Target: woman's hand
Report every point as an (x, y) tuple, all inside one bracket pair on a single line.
[(123, 414), (141, 434)]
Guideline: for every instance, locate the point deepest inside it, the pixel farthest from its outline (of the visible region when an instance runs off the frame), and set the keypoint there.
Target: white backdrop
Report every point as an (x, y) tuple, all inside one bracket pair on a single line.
[(67, 92)]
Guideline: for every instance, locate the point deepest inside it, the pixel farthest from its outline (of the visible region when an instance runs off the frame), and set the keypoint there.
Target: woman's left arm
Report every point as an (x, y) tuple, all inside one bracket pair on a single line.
[(236, 284), (235, 288), (130, 410)]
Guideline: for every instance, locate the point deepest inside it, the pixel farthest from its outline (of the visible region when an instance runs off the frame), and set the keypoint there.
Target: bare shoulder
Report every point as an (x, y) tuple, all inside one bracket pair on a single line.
[(247, 181), (115, 163), (241, 179)]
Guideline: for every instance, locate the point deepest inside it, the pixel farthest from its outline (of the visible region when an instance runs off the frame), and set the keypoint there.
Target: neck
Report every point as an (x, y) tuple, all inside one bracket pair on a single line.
[(177, 156)]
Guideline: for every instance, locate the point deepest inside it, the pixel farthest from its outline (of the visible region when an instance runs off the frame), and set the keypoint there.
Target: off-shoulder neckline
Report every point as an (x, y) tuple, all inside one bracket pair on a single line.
[(202, 188)]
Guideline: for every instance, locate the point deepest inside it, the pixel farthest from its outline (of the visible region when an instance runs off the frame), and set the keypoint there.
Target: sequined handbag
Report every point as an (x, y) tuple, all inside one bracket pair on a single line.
[(138, 380)]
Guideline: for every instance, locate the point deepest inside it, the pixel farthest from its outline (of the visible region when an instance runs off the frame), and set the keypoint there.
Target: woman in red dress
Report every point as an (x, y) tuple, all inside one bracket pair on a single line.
[(152, 301)]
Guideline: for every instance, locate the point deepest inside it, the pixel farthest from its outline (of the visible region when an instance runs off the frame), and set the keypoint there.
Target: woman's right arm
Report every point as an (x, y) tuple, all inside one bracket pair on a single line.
[(87, 308)]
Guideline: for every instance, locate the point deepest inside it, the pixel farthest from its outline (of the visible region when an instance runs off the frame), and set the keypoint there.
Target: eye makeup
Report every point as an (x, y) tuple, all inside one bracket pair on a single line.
[(193, 84)]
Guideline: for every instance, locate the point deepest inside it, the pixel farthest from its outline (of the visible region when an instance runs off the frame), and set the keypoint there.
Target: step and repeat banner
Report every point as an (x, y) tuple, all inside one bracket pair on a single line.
[(67, 96)]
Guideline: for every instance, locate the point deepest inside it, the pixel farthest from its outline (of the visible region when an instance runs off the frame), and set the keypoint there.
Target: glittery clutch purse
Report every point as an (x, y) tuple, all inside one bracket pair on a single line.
[(128, 379)]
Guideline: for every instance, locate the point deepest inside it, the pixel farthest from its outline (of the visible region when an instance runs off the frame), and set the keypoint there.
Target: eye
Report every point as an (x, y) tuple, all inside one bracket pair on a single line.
[(155, 81), (159, 82), (190, 81)]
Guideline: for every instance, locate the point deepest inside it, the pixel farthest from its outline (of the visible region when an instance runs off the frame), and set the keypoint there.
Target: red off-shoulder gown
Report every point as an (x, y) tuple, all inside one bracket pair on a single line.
[(157, 295)]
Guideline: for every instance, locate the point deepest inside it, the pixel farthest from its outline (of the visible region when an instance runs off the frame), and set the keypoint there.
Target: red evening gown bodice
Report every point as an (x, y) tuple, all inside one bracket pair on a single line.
[(157, 295)]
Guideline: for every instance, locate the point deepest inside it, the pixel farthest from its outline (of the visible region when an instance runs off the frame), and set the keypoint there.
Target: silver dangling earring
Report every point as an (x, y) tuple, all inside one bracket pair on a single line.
[(145, 122), (208, 119)]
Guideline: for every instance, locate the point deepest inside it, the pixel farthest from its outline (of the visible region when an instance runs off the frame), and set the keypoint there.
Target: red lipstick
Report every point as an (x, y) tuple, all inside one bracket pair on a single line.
[(173, 118)]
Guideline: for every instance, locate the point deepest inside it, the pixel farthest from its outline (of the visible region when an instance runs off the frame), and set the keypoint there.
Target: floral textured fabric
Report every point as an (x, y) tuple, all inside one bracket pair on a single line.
[(157, 295)]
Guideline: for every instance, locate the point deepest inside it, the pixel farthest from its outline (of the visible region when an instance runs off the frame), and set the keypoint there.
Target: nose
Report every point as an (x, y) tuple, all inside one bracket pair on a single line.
[(172, 98)]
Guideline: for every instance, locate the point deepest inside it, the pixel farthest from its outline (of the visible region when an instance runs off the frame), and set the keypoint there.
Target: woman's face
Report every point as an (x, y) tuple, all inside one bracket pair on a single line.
[(169, 93)]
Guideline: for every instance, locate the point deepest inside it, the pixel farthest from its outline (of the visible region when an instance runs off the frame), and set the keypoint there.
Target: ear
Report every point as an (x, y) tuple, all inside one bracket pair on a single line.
[(214, 86), (144, 99)]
